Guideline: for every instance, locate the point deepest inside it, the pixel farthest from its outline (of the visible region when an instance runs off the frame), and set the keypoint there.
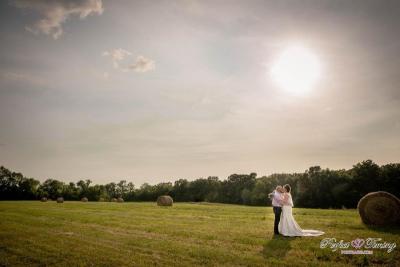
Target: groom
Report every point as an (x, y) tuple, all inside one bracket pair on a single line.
[(277, 198)]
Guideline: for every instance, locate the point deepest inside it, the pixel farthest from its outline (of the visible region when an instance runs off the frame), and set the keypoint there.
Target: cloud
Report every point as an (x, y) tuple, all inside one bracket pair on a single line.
[(55, 13), (117, 55), (11, 76), (142, 64)]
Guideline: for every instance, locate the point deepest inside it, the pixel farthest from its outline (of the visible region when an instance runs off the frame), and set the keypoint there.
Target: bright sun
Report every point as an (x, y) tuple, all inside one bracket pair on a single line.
[(296, 70)]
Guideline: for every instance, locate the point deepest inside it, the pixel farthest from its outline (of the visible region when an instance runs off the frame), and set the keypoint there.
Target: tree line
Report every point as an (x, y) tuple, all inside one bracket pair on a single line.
[(314, 188)]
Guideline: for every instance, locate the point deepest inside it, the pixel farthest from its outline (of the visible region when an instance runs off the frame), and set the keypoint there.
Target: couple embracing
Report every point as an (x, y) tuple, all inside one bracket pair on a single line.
[(285, 224)]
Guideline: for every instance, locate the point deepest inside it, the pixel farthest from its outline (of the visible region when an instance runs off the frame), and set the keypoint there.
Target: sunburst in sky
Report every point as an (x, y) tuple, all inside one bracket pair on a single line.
[(296, 70)]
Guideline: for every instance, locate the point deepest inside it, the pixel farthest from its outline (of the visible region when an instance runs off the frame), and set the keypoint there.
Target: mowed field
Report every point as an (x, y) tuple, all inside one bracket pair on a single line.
[(33, 233)]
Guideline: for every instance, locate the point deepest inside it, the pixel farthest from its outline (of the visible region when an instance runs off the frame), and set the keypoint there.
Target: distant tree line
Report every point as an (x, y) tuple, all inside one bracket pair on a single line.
[(315, 188)]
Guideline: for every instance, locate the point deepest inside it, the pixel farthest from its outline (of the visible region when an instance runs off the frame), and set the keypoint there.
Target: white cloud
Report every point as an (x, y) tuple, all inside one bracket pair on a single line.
[(117, 55), (55, 13), (142, 64)]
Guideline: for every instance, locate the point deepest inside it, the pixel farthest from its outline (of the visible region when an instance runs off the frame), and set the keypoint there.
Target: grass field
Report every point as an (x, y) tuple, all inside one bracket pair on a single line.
[(142, 234)]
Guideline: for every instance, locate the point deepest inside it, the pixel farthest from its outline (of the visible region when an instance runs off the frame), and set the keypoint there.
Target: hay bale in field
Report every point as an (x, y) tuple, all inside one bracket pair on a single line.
[(165, 201), (113, 199), (379, 208), (120, 199), (84, 199), (60, 200), (43, 199)]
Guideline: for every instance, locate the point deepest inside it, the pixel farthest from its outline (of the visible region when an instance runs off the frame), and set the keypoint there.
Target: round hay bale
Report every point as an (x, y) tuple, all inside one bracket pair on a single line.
[(60, 200), (165, 201), (43, 199), (84, 199), (379, 208), (120, 199), (113, 199)]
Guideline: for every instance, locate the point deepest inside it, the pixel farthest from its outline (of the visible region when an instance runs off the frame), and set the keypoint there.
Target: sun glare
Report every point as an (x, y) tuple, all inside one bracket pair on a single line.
[(296, 70)]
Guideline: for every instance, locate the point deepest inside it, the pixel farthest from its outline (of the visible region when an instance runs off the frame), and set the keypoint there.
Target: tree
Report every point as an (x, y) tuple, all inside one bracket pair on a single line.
[(130, 194), (180, 190), (366, 177), (231, 189), (390, 178), (111, 190), (315, 188), (71, 192), (51, 188)]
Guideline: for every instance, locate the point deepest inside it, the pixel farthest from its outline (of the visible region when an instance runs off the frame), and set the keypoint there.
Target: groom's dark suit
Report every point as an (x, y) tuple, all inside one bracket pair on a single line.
[(277, 211), (277, 207)]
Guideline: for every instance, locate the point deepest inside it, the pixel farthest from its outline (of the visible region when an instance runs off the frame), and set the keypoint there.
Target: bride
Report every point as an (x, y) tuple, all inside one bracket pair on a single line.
[(288, 225)]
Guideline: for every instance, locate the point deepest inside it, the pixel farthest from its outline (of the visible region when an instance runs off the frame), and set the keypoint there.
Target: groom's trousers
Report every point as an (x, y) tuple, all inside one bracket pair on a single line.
[(277, 212)]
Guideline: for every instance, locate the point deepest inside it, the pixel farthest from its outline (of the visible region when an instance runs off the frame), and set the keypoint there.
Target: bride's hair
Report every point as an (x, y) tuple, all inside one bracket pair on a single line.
[(288, 188)]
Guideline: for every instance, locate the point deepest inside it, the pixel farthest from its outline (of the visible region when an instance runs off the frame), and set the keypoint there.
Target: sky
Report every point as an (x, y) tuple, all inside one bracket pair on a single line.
[(151, 91)]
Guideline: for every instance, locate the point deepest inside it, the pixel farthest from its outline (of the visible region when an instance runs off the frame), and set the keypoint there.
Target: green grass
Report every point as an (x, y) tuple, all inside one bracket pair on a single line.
[(142, 234)]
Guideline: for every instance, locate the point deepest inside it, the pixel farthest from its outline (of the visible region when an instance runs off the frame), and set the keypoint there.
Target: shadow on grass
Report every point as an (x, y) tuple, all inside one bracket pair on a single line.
[(277, 247), (385, 229)]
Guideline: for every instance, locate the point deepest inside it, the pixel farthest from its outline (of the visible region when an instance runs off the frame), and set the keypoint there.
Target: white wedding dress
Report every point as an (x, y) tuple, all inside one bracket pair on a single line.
[(288, 225)]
